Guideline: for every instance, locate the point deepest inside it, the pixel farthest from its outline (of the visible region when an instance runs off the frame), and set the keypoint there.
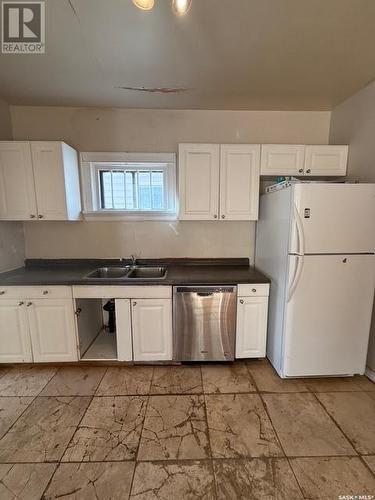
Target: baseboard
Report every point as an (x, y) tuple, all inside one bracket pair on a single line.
[(370, 374)]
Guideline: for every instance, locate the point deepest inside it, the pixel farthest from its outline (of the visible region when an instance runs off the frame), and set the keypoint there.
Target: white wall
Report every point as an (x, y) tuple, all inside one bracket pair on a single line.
[(11, 233), (91, 129), (353, 123)]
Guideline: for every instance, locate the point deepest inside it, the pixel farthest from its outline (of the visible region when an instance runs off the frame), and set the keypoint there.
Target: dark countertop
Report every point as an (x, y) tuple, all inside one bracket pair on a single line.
[(180, 272)]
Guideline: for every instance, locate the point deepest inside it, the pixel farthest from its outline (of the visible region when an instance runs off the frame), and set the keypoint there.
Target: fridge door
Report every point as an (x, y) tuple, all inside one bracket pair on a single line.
[(328, 314), (333, 218)]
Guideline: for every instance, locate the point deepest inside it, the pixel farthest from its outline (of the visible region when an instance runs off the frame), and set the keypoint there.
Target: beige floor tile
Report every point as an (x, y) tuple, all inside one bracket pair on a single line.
[(337, 384), (267, 379), (239, 427), (24, 481), (126, 381), (227, 378), (175, 428), (101, 481), (25, 381), (365, 383), (326, 478), (303, 427), (10, 409), (110, 430), (173, 480), (176, 380), (3, 370), (42, 433), (371, 394), (256, 479), (74, 381), (370, 460), (355, 414)]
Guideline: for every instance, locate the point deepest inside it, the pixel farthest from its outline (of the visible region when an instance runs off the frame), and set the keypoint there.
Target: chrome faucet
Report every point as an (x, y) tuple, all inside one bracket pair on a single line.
[(133, 259)]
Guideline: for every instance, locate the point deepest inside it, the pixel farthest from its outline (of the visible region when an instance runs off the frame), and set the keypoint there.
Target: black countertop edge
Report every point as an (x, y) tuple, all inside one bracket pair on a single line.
[(38, 263)]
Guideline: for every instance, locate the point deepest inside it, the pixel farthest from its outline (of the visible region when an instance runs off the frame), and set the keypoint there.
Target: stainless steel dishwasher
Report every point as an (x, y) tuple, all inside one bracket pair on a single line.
[(204, 323)]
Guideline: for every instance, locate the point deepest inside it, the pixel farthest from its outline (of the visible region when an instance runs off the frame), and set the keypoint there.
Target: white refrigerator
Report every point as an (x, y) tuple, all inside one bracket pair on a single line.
[(316, 242)]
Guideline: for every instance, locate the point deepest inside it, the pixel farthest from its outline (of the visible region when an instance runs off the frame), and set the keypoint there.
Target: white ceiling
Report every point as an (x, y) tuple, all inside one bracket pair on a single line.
[(229, 54)]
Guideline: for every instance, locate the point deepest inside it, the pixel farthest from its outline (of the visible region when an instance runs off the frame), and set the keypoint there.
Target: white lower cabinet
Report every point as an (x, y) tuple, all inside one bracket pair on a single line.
[(152, 329), (251, 327), (15, 346), (52, 330)]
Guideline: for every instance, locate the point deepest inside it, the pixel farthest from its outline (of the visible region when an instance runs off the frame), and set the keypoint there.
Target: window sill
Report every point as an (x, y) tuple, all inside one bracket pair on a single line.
[(126, 216)]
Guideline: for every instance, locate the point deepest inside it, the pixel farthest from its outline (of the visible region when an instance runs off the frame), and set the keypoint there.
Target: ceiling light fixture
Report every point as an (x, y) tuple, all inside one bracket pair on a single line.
[(144, 4), (181, 7)]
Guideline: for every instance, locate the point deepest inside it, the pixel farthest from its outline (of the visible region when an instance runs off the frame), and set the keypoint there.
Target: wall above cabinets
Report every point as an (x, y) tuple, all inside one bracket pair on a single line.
[(39, 180)]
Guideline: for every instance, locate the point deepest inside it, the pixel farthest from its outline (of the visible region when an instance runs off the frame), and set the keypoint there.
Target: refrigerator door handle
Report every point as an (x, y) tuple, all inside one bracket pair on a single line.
[(297, 276), (300, 233)]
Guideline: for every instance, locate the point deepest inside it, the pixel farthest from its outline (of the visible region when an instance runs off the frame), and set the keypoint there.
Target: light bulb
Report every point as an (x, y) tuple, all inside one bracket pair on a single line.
[(144, 4), (181, 7)]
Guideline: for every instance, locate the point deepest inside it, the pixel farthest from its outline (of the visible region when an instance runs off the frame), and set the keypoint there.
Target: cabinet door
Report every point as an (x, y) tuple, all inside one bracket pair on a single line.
[(123, 330), (239, 181), (326, 160), (251, 327), (198, 181), (15, 346), (282, 159), (49, 180), (17, 193), (152, 329), (52, 329)]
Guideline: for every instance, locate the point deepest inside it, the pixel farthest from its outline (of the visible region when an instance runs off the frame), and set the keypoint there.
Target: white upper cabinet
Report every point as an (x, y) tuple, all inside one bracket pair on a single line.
[(199, 181), (219, 181), (282, 159), (239, 181), (300, 160), (17, 193), (39, 180), (326, 160)]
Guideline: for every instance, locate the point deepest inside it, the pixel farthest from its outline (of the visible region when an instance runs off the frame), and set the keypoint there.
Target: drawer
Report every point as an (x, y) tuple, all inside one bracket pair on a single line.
[(35, 292), (253, 290), (122, 292)]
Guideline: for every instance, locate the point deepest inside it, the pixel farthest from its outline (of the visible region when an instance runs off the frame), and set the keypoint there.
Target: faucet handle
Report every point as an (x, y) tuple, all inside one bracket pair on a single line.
[(133, 259)]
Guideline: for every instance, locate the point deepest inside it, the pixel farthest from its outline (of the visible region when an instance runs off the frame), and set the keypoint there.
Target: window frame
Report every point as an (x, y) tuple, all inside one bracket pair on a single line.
[(92, 163)]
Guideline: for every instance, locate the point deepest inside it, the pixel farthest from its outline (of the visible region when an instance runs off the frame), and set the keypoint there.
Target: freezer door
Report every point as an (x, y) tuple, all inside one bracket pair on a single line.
[(328, 314), (333, 218)]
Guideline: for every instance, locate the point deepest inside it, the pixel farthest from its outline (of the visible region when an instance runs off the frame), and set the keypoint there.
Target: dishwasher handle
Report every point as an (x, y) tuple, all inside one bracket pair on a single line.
[(202, 291)]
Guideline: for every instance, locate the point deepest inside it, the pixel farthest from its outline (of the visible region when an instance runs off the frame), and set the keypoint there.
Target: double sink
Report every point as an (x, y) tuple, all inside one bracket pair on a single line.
[(129, 273)]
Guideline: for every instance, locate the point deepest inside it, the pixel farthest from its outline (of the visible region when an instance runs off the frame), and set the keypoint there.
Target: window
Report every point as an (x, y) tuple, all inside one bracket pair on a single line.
[(141, 186)]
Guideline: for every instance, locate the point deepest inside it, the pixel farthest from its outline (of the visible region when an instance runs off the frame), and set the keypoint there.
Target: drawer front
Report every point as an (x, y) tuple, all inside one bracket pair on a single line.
[(253, 290), (122, 292), (35, 292)]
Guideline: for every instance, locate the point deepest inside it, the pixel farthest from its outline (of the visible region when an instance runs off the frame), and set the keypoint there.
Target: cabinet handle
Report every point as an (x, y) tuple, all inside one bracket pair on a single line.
[(29, 304), (215, 216), (300, 170), (45, 292), (253, 290), (134, 304), (308, 170), (32, 216), (21, 303), (241, 301), (78, 311), (40, 216), (2, 292), (223, 216)]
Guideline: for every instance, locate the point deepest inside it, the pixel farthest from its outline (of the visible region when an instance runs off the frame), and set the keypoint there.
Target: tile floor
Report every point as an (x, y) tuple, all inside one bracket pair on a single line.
[(183, 432)]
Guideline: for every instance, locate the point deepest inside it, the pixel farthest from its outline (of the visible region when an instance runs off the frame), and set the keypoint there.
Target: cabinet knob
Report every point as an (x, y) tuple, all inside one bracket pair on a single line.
[(2, 292), (223, 216), (21, 303), (29, 304), (45, 292), (215, 216), (253, 290), (78, 311), (32, 216), (241, 301), (40, 216), (308, 170), (134, 304), (300, 170)]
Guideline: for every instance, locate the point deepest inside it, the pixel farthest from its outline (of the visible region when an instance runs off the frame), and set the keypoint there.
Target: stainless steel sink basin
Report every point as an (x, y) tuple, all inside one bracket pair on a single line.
[(147, 273), (109, 273)]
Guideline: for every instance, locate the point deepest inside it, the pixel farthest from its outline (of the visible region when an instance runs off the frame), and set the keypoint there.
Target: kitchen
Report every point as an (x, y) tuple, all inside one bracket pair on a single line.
[(195, 245)]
